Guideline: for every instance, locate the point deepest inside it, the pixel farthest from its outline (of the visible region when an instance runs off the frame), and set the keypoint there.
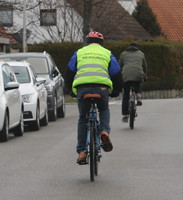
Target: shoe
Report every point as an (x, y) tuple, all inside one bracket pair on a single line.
[(125, 119), (82, 158), (106, 142), (139, 102)]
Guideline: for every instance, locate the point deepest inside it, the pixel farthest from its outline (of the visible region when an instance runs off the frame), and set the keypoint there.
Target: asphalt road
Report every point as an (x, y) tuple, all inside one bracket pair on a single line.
[(146, 163)]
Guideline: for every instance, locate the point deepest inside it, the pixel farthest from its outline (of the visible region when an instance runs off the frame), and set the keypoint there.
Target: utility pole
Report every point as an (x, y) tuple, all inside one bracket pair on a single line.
[(87, 17), (24, 27)]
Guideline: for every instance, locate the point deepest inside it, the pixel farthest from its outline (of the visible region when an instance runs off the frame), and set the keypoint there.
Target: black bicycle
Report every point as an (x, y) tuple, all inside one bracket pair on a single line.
[(93, 136), (132, 107)]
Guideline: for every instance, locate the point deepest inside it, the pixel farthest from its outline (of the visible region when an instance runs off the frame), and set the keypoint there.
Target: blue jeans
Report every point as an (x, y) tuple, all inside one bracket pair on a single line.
[(84, 107)]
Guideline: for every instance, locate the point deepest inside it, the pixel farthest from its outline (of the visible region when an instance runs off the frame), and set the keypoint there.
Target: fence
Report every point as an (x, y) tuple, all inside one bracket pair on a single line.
[(162, 94), (157, 94)]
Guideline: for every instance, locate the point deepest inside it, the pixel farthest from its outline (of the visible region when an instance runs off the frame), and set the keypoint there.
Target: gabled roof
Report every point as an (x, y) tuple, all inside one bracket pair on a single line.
[(4, 34), (111, 19), (169, 15)]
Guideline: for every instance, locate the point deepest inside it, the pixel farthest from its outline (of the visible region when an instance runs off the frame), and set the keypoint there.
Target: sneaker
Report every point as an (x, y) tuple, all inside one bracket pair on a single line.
[(82, 158), (125, 119), (139, 102), (106, 142)]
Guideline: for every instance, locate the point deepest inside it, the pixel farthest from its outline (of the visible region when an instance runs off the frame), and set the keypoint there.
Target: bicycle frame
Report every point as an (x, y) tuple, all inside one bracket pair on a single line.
[(132, 94), (93, 137), (92, 120)]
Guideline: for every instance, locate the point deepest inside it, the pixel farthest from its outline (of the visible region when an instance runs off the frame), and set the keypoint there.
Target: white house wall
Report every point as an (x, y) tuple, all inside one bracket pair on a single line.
[(69, 23)]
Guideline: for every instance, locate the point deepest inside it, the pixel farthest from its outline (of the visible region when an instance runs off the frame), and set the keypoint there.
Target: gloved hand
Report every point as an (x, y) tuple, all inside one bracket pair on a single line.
[(114, 94), (72, 94)]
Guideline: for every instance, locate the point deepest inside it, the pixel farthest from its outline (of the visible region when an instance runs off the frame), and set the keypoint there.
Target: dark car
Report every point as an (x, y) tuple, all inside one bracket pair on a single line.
[(44, 66)]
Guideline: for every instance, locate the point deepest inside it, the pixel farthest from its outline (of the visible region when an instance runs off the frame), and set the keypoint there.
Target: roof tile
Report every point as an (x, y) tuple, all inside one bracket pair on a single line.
[(169, 15)]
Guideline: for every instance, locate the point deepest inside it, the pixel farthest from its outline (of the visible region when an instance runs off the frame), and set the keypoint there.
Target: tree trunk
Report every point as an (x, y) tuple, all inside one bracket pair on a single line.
[(86, 18)]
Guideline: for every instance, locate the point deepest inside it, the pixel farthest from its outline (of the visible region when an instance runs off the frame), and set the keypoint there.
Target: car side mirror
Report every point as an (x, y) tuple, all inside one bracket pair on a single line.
[(55, 72), (11, 86), (40, 80)]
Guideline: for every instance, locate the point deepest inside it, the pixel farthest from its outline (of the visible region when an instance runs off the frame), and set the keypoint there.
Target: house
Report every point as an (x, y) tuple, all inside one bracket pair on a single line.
[(47, 20), (63, 21), (111, 19), (5, 39), (128, 5), (169, 14)]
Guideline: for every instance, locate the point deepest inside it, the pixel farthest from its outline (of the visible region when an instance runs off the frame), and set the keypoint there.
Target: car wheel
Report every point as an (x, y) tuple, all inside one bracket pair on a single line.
[(61, 110), (4, 132), (44, 121), (19, 130), (53, 113), (36, 124)]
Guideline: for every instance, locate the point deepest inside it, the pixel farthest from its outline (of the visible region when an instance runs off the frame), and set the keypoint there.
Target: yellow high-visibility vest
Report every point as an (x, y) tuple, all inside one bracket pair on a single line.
[(92, 66)]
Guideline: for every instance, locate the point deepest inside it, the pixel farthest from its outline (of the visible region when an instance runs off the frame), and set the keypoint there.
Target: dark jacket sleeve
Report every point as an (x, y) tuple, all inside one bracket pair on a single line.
[(69, 77), (144, 65), (120, 61)]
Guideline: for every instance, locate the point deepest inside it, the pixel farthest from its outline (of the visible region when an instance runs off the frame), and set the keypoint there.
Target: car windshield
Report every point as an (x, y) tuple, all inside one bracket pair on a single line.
[(22, 74), (39, 64)]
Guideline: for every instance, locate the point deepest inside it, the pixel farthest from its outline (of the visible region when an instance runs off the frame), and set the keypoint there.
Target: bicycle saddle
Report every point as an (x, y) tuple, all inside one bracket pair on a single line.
[(87, 96)]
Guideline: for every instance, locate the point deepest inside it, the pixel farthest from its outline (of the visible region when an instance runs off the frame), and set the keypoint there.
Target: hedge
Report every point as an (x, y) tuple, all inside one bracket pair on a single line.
[(164, 58)]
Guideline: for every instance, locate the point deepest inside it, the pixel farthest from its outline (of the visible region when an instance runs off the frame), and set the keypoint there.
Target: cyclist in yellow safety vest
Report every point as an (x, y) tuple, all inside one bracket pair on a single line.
[(93, 69)]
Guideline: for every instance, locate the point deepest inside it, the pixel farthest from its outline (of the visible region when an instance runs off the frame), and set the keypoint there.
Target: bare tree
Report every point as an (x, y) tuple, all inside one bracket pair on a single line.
[(67, 28), (74, 19), (87, 16)]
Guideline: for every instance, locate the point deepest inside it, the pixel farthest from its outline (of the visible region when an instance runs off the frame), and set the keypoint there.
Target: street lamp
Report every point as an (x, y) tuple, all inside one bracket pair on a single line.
[(24, 27)]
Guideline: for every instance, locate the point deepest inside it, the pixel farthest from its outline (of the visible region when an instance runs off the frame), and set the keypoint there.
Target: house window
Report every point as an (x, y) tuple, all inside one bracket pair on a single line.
[(6, 15), (48, 17)]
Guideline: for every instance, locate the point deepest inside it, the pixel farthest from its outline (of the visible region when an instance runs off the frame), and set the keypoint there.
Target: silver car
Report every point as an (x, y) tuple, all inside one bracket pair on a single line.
[(11, 105), (34, 95), (44, 66)]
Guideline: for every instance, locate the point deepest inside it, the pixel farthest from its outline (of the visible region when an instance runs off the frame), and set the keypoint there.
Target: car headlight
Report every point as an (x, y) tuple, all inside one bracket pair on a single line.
[(27, 97)]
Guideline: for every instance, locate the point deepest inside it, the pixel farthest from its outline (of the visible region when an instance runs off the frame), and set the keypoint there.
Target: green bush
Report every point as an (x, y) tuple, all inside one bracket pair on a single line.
[(164, 58)]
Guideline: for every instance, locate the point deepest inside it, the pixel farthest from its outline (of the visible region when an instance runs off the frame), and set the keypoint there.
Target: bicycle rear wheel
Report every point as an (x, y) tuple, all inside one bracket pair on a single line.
[(92, 153), (97, 149), (132, 114)]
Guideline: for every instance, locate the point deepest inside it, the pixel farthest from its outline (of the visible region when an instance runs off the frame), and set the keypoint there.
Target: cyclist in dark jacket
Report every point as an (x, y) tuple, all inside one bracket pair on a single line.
[(93, 69), (134, 70)]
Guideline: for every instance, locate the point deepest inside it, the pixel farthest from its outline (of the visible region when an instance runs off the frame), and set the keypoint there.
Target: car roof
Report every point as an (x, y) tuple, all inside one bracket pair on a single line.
[(18, 63), (29, 54)]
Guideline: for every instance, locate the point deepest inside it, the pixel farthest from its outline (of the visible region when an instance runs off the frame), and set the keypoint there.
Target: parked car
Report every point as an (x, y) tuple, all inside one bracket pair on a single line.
[(34, 95), (11, 105), (44, 66)]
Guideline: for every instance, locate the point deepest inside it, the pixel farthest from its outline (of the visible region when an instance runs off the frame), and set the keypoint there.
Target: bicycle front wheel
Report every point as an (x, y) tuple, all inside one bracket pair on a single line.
[(92, 153), (132, 114)]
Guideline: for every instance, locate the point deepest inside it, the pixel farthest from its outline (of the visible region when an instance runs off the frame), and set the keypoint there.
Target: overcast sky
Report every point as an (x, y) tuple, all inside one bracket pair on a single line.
[(128, 5)]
